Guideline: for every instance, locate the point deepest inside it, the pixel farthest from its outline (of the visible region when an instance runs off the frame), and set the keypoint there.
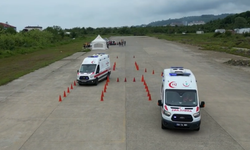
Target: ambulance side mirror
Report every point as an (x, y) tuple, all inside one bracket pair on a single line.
[(160, 103), (202, 105), (77, 71)]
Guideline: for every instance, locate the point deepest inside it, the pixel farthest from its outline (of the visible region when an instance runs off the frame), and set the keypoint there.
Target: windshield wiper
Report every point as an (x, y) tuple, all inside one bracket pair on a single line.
[(187, 105), (169, 104)]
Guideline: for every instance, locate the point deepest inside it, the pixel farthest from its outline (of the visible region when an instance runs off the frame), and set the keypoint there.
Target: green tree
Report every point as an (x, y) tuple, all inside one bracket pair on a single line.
[(73, 34), (240, 22), (228, 33), (10, 31), (1, 29), (90, 30)]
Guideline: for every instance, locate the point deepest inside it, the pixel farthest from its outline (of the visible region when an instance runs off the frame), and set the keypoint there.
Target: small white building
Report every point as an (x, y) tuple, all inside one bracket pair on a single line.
[(28, 28), (242, 30), (67, 33), (196, 23), (199, 32), (220, 31)]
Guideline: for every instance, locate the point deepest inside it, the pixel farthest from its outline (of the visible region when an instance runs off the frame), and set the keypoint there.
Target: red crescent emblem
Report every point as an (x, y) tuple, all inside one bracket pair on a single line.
[(172, 84), (186, 84)]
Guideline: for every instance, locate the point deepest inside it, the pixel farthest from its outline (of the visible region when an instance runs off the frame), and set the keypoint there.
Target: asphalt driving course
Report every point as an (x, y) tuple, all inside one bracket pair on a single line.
[(45, 110)]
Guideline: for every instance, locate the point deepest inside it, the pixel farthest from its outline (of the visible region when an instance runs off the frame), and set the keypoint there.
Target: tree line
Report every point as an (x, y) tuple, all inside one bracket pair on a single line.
[(12, 42), (230, 22)]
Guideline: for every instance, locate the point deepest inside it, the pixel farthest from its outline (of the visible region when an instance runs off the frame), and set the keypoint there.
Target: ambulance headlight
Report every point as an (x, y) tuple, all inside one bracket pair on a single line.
[(92, 76), (196, 114), (167, 113)]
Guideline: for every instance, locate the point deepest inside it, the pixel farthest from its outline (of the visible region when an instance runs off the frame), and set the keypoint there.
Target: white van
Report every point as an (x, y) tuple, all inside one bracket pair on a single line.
[(180, 105), (94, 69)]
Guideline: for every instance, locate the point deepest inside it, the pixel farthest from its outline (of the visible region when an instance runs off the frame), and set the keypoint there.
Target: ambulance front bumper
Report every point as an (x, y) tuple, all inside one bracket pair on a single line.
[(181, 125), (86, 81)]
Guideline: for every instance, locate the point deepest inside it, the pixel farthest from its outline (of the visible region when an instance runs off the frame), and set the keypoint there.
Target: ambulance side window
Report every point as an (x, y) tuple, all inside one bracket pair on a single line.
[(98, 69)]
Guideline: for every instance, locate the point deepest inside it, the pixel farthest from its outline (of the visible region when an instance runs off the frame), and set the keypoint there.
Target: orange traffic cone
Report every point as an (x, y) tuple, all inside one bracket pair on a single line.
[(64, 94), (74, 83), (101, 98), (148, 94), (102, 94), (146, 87), (71, 86), (149, 98), (68, 90), (134, 80), (117, 80), (142, 78), (125, 80), (105, 88), (145, 70), (60, 98), (153, 72)]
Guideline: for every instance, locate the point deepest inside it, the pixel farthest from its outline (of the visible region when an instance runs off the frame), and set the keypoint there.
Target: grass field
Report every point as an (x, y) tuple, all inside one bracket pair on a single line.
[(16, 66), (234, 44)]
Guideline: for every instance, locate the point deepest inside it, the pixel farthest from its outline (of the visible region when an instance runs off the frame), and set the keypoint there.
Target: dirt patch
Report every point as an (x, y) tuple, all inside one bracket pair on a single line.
[(221, 57), (235, 62)]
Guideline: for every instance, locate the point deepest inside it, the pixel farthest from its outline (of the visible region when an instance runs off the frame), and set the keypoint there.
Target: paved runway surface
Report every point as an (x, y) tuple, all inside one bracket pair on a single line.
[(32, 118)]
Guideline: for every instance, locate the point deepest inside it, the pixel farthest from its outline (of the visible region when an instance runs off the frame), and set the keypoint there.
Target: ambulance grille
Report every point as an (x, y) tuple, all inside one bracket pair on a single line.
[(84, 78), (182, 117)]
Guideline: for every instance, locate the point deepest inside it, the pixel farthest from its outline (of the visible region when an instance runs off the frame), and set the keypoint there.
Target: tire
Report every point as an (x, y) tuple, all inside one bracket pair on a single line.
[(108, 76), (198, 129), (96, 81), (162, 126), (79, 83)]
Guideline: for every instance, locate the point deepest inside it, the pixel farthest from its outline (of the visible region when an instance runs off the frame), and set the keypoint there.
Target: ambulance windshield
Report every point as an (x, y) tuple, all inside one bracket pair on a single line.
[(185, 98), (87, 68)]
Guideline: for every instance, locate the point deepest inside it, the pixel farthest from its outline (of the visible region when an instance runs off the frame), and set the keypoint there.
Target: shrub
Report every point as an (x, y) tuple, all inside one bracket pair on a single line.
[(246, 34), (228, 33), (25, 42), (216, 34)]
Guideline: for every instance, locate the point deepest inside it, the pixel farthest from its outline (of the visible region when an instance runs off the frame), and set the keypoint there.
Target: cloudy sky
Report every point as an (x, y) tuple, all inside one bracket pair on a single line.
[(109, 13)]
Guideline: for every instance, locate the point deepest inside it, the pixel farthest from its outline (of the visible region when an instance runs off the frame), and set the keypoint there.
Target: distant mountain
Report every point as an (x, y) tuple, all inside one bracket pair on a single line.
[(186, 20)]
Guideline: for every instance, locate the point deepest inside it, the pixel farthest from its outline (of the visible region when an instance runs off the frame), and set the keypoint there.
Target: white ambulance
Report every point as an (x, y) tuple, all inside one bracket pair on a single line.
[(180, 105), (94, 69)]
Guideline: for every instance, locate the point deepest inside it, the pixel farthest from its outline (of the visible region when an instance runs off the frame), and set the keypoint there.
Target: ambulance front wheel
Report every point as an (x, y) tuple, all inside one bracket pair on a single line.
[(108, 75), (198, 129), (96, 81), (162, 125)]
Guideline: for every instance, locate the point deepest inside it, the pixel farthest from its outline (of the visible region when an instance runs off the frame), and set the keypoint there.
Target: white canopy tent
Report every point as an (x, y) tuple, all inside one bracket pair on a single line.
[(99, 43)]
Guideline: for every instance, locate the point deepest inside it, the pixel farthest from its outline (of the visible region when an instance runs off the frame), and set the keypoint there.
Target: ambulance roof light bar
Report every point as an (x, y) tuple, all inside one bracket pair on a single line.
[(179, 74), (180, 68), (93, 56)]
